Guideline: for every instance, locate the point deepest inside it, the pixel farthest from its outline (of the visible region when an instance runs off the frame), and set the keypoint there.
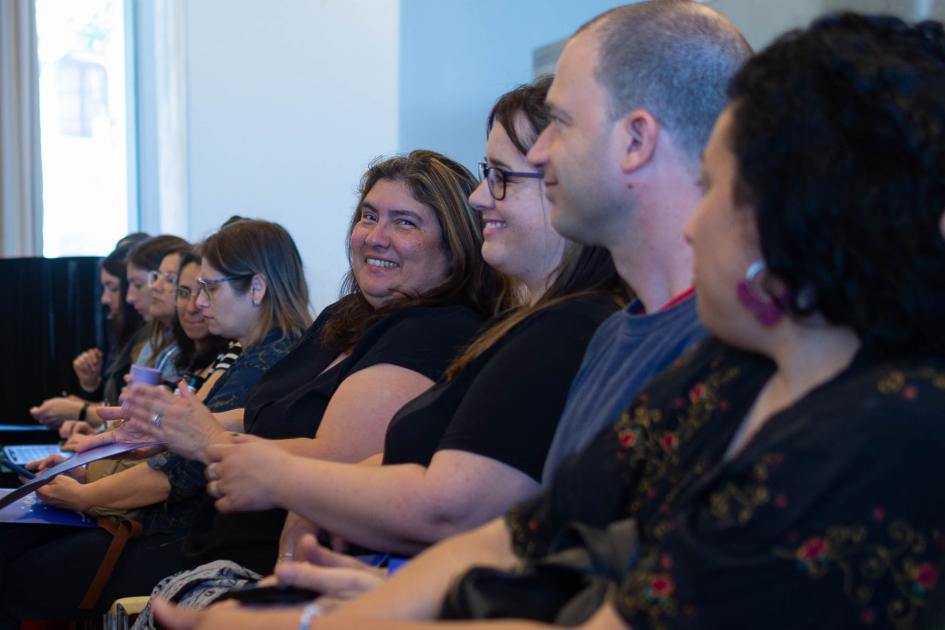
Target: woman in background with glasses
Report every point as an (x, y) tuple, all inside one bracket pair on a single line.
[(417, 292), (157, 349), (267, 302), (474, 444)]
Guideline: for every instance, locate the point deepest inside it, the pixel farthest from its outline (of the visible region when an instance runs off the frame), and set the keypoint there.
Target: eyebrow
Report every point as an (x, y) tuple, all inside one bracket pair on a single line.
[(396, 212), (499, 163), (556, 110)]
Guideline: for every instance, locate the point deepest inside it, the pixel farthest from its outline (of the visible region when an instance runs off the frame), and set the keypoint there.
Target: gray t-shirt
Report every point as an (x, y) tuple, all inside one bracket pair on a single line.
[(628, 350)]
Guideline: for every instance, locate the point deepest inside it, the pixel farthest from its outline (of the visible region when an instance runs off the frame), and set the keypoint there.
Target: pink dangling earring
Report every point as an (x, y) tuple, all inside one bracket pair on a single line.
[(764, 308)]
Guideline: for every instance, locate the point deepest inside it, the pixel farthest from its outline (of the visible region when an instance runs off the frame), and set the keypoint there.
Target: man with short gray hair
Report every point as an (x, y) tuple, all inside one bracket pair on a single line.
[(637, 91)]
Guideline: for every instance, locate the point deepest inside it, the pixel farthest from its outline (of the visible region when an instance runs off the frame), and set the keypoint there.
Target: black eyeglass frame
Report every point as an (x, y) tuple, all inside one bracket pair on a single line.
[(484, 174)]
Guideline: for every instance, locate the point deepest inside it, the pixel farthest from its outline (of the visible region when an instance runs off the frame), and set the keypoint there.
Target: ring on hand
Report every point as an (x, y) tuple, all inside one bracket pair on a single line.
[(156, 420), (286, 555), (212, 474), (213, 489)]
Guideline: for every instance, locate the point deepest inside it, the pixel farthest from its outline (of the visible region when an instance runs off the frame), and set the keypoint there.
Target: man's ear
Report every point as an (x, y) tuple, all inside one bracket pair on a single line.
[(639, 133), (257, 289)]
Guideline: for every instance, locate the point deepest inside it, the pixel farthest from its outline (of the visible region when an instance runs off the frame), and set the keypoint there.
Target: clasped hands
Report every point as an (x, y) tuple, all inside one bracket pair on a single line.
[(153, 414)]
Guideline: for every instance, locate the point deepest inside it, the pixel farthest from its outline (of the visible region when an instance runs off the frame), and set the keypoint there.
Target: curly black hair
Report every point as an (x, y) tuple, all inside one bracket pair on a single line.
[(839, 135)]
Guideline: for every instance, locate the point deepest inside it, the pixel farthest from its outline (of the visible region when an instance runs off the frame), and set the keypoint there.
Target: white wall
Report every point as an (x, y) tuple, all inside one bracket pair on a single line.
[(288, 100), (458, 56)]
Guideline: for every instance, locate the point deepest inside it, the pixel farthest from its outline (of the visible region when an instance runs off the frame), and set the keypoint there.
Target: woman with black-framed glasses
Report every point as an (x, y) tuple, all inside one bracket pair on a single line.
[(474, 444)]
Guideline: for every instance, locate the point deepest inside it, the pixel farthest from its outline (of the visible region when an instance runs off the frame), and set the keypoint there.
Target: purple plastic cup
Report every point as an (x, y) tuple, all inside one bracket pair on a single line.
[(146, 375)]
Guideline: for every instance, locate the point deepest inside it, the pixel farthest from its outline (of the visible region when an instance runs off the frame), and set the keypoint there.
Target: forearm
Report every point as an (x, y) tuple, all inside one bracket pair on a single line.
[(135, 487), (416, 592)]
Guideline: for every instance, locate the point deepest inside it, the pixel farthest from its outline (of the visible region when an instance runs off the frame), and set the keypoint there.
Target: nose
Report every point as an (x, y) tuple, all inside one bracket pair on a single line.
[(377, 236), (201, 299), (480, 198), (538, 155), (106, 299)]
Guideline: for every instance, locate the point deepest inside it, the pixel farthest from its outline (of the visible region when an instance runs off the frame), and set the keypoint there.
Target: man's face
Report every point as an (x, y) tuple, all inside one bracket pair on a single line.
[(576, 151)]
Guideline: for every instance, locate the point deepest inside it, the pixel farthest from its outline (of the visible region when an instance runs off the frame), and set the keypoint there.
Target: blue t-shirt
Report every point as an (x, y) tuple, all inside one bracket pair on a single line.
[(628, 350)]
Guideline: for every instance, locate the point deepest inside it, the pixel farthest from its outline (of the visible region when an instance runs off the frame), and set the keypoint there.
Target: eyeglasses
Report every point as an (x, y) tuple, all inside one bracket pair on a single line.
[(496, 179), (210, 285), (168, 277)]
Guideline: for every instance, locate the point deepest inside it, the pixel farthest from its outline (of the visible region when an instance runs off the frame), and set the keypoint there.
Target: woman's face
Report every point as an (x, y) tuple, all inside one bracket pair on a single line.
[(518, 238), (139, 293), (111, 293), (188, 313), (164, 290), (724, 242), (228, 314), (397, 245)]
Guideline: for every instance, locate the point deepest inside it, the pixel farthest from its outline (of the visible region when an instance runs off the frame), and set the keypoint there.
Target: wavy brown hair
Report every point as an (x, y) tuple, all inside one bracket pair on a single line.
[(444, 185)]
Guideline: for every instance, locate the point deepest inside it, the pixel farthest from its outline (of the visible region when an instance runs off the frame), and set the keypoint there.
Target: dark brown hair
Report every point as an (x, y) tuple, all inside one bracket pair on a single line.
[(248, 247), (584, 269)]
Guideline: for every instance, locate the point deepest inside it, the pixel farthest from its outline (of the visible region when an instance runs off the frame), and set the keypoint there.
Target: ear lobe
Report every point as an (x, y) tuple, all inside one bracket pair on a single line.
[(640, 134), (258, 289)]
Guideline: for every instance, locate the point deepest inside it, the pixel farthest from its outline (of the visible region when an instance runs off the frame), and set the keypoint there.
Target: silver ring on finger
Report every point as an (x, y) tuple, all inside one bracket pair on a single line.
[(156, 420), (212, 473), (213, 489)]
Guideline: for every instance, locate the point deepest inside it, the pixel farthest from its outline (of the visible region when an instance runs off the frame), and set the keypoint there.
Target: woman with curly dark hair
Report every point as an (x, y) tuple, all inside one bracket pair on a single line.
[(788, 472)]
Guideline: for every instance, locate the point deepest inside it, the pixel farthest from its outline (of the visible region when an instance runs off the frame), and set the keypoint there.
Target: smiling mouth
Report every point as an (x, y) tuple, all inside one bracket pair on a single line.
[(383, 264), (494, 225)]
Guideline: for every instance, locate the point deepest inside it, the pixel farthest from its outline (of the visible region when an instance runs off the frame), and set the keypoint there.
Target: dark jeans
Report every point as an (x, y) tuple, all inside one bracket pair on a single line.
[(45, 570)]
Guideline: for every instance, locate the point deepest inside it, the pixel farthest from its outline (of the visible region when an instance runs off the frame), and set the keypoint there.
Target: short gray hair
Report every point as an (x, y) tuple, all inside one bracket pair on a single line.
[(673, 58)]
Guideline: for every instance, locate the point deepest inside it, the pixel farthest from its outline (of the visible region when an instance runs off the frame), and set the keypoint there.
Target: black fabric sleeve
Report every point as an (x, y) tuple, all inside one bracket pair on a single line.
[(511, 409), (422, 339)]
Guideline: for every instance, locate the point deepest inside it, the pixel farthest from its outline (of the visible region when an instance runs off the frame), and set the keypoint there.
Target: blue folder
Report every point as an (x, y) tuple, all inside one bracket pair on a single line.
[(30, 509)]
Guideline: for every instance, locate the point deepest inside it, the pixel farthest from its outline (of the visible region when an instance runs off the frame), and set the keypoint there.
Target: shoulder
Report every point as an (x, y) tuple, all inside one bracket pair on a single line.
[(427, 320), (902, 396)]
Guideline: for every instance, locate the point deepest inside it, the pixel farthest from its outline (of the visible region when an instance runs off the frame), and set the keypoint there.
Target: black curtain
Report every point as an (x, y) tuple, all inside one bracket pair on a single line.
[(49, 313)]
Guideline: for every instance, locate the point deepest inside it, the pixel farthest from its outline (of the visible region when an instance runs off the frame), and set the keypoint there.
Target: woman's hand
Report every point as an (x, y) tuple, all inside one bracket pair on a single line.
[(185, 425), (227, 614), (54, 411), (54, 460), (292, 532), (64, 492), (88, 367), (75, 427), (245, 474), (338, 577)]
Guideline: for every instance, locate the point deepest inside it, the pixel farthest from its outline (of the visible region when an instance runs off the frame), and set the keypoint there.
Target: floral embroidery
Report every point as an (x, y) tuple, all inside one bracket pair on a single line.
[(739, 499), (651, 594), (864, 562), (812, 553), (660, 586), (649, 441)]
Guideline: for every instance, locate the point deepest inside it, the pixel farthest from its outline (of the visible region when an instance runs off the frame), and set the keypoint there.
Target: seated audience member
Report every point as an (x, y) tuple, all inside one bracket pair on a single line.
[(144, 261), (621, 161), (473, 445), (126, 333), (787, 473), (416, 294), (202, 357), (253, 290), (97, 381)]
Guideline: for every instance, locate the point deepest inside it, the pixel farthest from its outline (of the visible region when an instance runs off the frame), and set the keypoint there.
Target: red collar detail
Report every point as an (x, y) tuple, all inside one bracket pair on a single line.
[(679, 298)]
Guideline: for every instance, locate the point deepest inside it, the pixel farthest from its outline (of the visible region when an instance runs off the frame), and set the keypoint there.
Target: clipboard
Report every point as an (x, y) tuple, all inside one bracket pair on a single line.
[(80, 459), (32, 510)]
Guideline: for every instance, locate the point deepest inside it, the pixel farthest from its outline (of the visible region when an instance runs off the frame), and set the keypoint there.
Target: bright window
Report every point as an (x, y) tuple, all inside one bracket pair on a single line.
[(85, 123)]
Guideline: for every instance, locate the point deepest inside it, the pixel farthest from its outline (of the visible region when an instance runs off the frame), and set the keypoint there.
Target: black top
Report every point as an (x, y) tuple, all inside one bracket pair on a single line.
[(505, 404), (830, 517), (291, 398)]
